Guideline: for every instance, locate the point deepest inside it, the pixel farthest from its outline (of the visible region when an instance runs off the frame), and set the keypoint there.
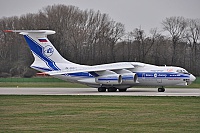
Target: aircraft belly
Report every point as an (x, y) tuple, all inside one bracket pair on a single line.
[(172, 81), (160, 81), (147, 81)]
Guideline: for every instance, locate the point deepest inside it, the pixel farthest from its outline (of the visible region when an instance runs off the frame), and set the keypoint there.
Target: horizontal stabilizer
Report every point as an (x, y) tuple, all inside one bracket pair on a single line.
[(26, 32)]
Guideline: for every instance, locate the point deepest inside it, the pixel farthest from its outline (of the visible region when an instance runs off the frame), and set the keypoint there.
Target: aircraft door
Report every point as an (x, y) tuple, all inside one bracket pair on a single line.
[(159, 80), (143, 76)]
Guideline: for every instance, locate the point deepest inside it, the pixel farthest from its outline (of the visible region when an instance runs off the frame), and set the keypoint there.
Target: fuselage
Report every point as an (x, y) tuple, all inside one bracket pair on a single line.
[(147, 75)]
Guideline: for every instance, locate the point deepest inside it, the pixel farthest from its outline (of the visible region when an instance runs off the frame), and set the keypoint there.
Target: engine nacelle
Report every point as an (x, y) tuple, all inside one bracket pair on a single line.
[(129, 78), (109, 79)]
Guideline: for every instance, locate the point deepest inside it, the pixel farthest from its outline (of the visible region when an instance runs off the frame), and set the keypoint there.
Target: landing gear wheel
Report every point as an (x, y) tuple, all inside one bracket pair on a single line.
[(112, 89), (122, 90), (161, 89), (101, 89)]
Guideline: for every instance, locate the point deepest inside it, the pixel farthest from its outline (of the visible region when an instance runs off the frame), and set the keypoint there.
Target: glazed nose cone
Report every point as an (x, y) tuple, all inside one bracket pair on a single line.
[(192, 78)]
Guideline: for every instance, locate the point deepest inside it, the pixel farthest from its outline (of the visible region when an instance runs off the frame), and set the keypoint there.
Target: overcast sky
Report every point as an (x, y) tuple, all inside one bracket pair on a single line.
[(133, 13)]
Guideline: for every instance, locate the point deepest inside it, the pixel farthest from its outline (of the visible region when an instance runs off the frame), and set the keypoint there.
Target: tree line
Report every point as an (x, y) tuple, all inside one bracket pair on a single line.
[(90, 37)]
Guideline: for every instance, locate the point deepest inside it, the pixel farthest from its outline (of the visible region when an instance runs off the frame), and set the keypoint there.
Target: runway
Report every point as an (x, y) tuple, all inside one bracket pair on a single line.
[(93, 91)]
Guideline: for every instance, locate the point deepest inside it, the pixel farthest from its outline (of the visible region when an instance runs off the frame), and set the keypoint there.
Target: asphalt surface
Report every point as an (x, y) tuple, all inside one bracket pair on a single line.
[(93, 91)]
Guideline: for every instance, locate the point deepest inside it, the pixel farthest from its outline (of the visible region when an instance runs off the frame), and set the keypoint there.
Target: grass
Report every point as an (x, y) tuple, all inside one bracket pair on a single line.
[(99, 114)]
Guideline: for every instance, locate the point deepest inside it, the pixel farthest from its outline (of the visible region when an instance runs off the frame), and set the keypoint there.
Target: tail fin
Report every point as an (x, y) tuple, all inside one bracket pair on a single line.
[(46, 56)]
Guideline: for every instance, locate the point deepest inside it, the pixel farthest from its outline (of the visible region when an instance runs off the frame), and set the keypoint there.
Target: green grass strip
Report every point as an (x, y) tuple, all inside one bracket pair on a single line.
[(99, 114)]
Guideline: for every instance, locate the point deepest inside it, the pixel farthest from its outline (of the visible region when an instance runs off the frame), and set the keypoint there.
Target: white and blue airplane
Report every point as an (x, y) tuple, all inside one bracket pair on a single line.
[(112, 77)]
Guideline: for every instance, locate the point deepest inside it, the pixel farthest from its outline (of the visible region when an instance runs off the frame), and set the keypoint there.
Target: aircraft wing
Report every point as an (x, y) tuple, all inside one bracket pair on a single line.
[(97, 68)]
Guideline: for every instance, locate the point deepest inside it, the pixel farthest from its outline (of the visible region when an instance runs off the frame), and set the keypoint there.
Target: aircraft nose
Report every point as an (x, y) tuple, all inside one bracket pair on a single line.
[(192, 78)]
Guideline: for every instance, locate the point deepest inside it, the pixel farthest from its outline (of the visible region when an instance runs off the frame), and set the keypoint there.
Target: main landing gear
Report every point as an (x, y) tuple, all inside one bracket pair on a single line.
[(113, 89), (101, 89), (161, 89), (110, 89)]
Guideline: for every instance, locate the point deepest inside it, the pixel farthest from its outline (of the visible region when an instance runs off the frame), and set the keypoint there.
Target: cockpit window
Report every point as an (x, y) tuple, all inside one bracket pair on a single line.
[(182, 71)]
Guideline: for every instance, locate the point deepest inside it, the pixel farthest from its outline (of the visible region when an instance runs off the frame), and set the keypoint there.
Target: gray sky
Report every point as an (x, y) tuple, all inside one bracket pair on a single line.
[(133, 13)]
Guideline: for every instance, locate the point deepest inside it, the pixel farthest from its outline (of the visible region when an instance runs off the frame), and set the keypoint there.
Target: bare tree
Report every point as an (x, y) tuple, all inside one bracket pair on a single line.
[(193, 36), (176, 26), (144, 43), (98, 39)]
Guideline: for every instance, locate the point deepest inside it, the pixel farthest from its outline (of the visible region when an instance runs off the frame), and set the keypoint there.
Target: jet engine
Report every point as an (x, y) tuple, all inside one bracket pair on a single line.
[(109, 79), (129, 78)]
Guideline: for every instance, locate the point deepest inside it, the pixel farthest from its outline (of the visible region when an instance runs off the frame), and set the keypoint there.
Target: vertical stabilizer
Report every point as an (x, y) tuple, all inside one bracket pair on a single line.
[(47, 58)]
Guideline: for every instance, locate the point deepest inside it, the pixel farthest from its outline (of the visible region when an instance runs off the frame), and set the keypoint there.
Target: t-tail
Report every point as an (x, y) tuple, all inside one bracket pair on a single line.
[(47, 58)]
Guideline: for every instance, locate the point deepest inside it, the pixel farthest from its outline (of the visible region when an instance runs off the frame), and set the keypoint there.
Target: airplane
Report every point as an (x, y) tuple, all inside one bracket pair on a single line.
[(106, 77)]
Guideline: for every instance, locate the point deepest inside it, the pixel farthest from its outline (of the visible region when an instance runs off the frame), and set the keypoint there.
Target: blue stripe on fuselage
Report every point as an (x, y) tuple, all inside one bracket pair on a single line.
[(94, 74), (81, 74), (140, 75), (162, 75)]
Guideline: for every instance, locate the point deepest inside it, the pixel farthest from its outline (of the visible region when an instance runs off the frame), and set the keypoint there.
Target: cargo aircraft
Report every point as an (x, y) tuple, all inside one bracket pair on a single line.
[(106, 77)]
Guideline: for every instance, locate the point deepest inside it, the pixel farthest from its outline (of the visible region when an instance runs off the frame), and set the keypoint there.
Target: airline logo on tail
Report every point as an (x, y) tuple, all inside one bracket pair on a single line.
[(48, 50)]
